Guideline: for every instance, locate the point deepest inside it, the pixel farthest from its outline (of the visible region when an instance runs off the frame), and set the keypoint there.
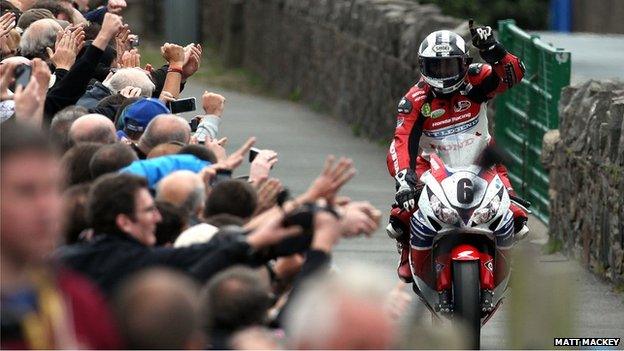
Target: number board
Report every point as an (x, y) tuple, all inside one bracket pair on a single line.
[(464, 189)]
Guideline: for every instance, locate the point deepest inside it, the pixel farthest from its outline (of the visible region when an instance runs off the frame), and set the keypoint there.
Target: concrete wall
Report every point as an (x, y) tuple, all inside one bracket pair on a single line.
[(586, 161), (354, 59)]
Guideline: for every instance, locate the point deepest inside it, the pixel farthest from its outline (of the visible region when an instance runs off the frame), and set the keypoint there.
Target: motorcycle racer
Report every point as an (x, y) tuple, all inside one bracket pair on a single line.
[(450, 100)]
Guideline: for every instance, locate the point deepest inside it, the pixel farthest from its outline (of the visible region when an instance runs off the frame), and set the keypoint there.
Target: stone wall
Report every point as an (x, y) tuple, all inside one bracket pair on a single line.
[(352, 58), (586, 161)]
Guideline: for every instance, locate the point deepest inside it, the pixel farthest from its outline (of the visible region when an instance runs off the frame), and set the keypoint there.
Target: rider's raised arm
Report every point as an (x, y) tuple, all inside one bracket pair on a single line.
[(408, 130), (502, 71)]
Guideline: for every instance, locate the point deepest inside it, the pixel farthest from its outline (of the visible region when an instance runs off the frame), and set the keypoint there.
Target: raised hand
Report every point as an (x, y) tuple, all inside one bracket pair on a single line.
[(7, 22), (192, 60), (217, 148), (78, 35), (41, 72), (122, 41), (213, 104), (482, 36), (111, 25), (29, 100), (359, 218), (130, 59), (331, 179), (236, 158), (64, 54), (116, 6), (261, 166), (173, 54), (268, 190)]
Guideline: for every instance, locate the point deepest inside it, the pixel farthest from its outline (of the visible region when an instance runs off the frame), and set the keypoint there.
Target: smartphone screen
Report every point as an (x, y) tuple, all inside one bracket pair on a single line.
[(182, 105), (22, 75)]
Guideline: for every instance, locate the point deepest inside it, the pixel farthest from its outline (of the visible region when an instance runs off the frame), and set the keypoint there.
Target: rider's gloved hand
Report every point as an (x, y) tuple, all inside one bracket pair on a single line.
[(407, 189), (483, 39)]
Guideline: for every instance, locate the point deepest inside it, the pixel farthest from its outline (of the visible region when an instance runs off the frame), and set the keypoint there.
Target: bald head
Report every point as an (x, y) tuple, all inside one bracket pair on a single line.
[(159, 309), (93, 128), (344, 311), (183, 189), (37, 37), (164, 129)]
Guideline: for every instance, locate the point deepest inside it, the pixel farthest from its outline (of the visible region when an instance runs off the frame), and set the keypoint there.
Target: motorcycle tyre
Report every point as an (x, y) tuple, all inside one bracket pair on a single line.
[(466, 300)]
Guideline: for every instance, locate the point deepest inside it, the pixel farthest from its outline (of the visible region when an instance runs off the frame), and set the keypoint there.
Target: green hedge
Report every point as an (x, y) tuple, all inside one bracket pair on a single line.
[(528, 14)]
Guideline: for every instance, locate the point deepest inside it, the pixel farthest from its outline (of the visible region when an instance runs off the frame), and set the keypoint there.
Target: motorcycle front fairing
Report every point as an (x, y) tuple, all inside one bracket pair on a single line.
[(461, 204)]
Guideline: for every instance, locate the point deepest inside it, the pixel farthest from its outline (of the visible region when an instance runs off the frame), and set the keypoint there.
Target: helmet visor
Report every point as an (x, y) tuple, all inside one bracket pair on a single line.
[(443, 67)]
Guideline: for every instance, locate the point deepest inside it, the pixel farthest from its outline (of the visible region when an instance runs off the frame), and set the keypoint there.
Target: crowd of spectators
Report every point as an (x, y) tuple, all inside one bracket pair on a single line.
[(125, 226)]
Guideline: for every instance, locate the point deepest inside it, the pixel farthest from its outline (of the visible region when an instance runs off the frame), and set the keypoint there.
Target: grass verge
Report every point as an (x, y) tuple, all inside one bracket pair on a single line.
[(553, 245)]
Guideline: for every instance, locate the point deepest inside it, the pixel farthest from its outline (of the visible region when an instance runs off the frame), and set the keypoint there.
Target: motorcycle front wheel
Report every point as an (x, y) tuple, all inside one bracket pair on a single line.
[(466, 290)]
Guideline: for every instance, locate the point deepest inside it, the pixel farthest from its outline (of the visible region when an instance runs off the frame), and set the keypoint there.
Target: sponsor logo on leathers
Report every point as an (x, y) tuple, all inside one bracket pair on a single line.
[(452, 130), (461, 105)]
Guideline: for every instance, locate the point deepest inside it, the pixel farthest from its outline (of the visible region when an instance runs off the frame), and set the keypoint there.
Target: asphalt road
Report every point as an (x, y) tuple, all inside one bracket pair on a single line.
[(304, 138), (596, 56)]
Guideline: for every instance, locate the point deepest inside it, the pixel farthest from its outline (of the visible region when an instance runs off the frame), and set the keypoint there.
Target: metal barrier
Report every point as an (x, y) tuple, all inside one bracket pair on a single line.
[(528, 110)]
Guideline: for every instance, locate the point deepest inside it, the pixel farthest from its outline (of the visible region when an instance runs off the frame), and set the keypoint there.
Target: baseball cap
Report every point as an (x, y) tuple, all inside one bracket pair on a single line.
[(138, 115)]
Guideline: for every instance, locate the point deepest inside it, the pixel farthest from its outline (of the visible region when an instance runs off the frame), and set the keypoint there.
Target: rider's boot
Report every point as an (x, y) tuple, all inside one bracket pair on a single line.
[(398, 229), (403, 270)]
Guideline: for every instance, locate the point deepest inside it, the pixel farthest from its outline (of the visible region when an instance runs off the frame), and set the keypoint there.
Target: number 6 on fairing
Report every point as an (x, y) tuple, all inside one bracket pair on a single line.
[(465, 193)]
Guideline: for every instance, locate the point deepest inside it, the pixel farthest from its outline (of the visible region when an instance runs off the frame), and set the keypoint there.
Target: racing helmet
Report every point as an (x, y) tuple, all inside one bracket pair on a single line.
[(444, 60)]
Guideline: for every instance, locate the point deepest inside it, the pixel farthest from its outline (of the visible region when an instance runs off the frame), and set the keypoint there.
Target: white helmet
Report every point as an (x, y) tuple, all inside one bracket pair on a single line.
[(444, 60)]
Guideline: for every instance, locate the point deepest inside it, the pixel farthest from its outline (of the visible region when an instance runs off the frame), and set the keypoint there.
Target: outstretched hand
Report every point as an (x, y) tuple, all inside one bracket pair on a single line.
[(261, 166), (359, 218), (235, 159), (267, 191), (331, 179)]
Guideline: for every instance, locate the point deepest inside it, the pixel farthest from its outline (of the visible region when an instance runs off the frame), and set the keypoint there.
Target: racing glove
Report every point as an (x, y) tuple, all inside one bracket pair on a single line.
[(408, 189), (491, 51)]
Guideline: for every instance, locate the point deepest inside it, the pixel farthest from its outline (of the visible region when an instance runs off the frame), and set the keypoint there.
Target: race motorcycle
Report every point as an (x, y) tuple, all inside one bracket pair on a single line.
[(463, 213)]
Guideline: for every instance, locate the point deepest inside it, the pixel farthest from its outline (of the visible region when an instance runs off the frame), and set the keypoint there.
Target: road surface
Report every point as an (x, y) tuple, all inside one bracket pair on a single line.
[(597, 56), (303, 138)]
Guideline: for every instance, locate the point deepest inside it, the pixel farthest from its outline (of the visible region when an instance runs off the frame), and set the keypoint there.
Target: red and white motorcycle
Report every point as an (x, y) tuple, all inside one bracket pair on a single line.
[(460, 240)]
